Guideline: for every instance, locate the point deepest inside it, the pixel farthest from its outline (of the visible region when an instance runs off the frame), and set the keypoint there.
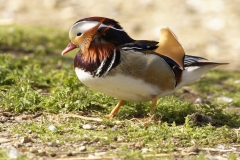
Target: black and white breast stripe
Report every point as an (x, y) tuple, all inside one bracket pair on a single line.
[(108, 64)]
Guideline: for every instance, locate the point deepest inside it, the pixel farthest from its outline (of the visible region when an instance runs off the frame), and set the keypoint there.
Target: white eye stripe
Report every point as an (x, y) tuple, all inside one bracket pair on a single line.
[(104, 26), (83, 26)]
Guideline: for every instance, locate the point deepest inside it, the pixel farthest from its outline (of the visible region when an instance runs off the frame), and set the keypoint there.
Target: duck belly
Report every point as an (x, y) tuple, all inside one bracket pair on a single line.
[(121, 86)]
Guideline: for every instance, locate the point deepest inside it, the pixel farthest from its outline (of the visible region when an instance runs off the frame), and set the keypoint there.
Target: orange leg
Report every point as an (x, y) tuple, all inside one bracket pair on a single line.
[(154, 105), (115, 109)]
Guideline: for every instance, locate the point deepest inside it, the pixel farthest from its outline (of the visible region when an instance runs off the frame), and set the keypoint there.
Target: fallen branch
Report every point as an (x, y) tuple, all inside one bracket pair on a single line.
[(116, 157), (218, 150), (82, 117)]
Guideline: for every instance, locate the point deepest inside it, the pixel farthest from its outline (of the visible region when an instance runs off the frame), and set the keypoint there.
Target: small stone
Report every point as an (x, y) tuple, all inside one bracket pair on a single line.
[(192, 149), (86, 137), (102, 127), (53, 154), (84, 143), (4, 119), (105, 138), (52, 144), (42, 153), (98, 154), (82, 149), (75, 152), (25, 139), (198, 101), (117, 122), (7, 114), (52, 128), (70, 154), (114, 128), (18, 145), (139, 145), (131, 145), (89, 126), (113, 145), (145, 150), (12, 152), (237, 81), (28, 145), (44, 158), (200, 118), (17, 135), (90, 156), (63, 156), (18, 119), (4, 140), (23, 149), (31, 155), (26, 117), (120, 138), (225, 99), (33, 150), (221, 147)]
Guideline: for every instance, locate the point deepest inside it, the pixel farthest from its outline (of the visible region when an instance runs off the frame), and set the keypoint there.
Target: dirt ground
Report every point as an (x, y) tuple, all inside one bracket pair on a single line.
[(32, 147), (205, 28)]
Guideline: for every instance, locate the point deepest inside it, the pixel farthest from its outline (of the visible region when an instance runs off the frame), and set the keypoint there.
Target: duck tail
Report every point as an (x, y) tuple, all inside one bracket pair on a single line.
[(194, 71)]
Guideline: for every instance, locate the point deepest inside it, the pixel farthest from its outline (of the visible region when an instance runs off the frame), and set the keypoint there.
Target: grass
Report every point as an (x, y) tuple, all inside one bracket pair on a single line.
[(36, 78), (164, 137)]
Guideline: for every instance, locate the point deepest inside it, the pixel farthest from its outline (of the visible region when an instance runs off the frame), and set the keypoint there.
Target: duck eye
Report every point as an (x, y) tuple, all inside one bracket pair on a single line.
[(79, 34)]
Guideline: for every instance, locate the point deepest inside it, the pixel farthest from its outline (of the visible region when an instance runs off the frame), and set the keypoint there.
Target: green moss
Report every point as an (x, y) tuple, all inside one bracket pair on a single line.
[(27, 39)]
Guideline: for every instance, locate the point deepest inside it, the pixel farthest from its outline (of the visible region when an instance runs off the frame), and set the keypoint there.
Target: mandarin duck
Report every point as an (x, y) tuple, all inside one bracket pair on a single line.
[(111, 62)]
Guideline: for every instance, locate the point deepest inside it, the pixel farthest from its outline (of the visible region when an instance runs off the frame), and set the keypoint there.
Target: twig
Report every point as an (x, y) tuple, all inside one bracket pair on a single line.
[(217, 150), (82, 117), (112, 157), (36, 115)]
